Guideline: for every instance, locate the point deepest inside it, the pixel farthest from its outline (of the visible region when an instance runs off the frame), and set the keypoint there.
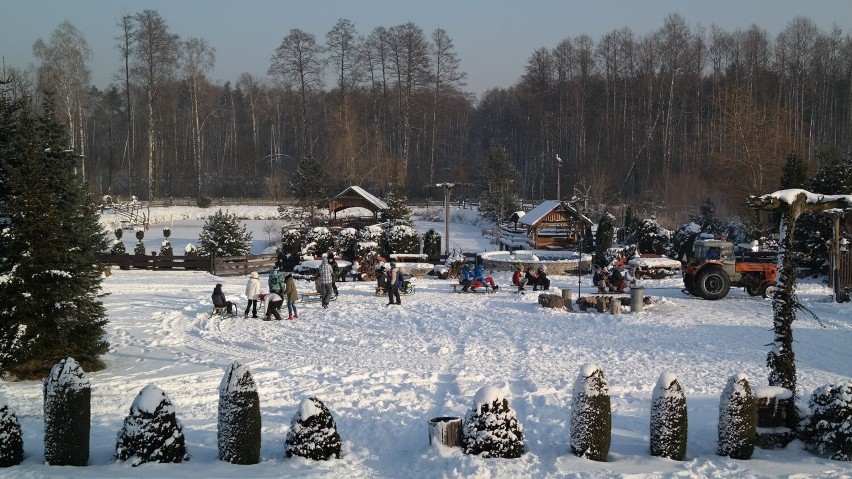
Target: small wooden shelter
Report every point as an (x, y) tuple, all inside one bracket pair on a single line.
[(356, 197), (554, 224)]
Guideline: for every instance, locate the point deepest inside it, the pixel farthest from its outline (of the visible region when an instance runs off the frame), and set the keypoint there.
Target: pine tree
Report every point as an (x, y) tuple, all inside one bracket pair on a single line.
[(310, 185), (223, 235), (398, 211), (603, 238), (319, 241), (491, 427), (151, 432), (737, 419), (67, 415), (431, 243), (668, 419), (313, 432), (498, 197), (591, 415), (239, 417), (794, 174), (402, 239), (51, 244), (652, 238), (291, 241), (11, 440)]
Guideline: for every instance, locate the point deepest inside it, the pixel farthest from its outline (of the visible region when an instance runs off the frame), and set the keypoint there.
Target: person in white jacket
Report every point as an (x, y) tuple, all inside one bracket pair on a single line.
[(252, 294)]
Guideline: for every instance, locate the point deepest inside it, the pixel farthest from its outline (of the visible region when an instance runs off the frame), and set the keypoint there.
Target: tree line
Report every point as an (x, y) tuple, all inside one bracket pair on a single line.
[(661, 120)]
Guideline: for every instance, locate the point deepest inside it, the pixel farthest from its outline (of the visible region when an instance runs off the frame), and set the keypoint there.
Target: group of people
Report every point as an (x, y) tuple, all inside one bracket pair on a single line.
[(613, 281), (280, 288), (475, 279), (537, 279), (390, 282)]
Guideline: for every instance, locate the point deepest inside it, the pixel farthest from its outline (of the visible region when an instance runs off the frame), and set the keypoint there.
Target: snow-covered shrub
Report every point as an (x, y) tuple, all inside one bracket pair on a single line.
[(591, 415), (223, 235), (431, 243), (118, 246), (166, 248), (737, 419), (318, 241), (369, 239), (313, 432), (291, 241), (347, 242), (190, 250), (491, 427), (151, 432), (828, 429), (402, 239), (239, 417), (652, 237), (603, 239), (67, 415), (684, 239), (668, 419), (139, 249), (11, 441)]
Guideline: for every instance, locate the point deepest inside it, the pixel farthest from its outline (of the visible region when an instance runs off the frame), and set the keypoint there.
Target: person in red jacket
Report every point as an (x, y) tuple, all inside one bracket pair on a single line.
[(518, 279)]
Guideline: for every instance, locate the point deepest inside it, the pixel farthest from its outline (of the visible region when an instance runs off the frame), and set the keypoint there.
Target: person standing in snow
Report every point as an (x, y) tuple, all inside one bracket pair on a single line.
[(275, 283), (382, 279), (292, 295), (219, 300), (326, 281), (273, 302), (252, 293), (394, 281), (335, 272)]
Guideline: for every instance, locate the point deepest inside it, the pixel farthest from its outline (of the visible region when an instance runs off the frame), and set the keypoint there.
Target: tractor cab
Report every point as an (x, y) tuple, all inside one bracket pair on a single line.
[(705, 250)]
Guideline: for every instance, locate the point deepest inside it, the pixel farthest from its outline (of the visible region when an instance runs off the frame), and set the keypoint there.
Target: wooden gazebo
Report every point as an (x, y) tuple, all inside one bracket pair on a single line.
[(554, 224), (356, 197)]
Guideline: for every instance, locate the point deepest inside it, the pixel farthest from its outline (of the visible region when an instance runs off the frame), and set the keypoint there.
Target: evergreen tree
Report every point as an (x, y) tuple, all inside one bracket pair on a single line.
[(652, 238), (166, 248), (291, 241), (431, 243), (498, 197), (239, 417), (603, 239), (794, 174), (491, 427), (737, 419), (139, 249), (627, 233), (319, 241), (828, 429), (398, 211), (684, 240), (313, 432), (402, 239), (223, 235), (67, 415), (591, 415), (151, 432), (668, 419), (11, 440), (310, 185), (51, 244), (707, 220)]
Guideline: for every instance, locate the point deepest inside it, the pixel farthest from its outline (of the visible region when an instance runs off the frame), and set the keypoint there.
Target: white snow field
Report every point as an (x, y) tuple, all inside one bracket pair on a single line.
[(384, 371)]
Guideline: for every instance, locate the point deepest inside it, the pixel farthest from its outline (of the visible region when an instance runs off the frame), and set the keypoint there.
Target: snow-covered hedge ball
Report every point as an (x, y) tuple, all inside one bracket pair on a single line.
[(11, 441), (828, 428), (591, 415), (402, 239), (668, 419), (167, 232), (190, 250), (737, 419), (313, 432), (67, 415), (239, 417), (140, 233), (118, 247), (491, 427), (318, 241), (432, 243), (151, 432), (166, 249), (291, 241)]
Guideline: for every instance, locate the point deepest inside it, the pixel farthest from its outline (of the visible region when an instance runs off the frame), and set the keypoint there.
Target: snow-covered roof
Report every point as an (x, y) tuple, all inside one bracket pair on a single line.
[(379, 204), (536, 214)]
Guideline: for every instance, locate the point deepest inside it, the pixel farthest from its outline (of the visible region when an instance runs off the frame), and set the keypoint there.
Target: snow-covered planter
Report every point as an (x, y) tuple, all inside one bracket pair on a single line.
[(67, 415), (11, 441), (318, 241), (402, 239), (737, 419), (828, 429), (668, 419), (313, 432), (491, 427), (239, 417), (291, 241), (151, 432), (591, 415), (431, 243)]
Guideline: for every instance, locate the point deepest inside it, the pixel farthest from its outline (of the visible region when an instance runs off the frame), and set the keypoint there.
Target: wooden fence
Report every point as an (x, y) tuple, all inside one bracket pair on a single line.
[(224, 266)]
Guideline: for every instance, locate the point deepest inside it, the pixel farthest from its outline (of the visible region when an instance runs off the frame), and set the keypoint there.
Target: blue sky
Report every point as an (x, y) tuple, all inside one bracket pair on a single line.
[(494, 38)]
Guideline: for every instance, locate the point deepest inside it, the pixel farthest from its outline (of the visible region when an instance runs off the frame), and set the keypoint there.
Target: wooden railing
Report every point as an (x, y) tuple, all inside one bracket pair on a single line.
[(224, 266)]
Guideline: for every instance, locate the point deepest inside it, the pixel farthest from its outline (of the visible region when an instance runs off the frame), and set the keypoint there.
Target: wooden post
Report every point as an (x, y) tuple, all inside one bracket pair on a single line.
[(445, 430)]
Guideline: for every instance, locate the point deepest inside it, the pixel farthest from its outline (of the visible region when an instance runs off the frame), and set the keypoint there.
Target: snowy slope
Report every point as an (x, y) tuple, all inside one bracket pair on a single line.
[(384, 371)]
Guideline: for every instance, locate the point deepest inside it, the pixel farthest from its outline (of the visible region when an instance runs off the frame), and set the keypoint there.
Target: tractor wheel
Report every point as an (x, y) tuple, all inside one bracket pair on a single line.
[(713, 283), (767, 289), (752, 290)]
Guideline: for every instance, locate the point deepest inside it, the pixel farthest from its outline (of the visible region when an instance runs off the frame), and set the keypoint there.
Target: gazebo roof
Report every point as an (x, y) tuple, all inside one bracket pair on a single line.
[(356, 197), (537, 214)]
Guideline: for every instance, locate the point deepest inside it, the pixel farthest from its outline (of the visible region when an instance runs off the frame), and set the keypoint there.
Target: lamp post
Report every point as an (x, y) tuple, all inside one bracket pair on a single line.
[(558, 178)]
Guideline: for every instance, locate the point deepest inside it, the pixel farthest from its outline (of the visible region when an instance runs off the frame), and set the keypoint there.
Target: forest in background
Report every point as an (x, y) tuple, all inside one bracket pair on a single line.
[(661, 121)]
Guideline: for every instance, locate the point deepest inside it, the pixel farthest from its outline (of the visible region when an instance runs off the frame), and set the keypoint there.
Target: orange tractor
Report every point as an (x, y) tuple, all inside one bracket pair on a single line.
[(713, 269)]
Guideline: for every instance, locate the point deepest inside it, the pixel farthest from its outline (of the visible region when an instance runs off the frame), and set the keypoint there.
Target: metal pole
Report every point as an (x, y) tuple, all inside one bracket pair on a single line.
[(446, 219)]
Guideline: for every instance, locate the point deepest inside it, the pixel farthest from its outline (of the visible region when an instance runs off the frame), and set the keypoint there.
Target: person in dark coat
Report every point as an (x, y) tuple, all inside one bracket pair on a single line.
[(335, 272), (382, 279), (273, 302), (542, 282), (219, 300), (394, 283), (466, 278), (531, 278)]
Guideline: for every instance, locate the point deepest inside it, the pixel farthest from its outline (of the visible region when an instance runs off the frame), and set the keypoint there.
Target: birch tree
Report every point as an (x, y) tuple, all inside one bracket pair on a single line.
[(199, 58)]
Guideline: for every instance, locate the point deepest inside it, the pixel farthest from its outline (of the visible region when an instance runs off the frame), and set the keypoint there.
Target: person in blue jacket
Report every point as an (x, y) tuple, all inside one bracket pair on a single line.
[(480, 279), (465, 278)]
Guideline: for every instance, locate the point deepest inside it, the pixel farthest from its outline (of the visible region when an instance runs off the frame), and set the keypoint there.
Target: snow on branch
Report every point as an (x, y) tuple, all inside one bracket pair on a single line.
[(810, 201)]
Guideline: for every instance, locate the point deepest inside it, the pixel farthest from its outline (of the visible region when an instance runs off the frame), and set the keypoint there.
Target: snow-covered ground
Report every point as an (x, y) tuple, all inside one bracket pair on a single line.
[(384, 371)]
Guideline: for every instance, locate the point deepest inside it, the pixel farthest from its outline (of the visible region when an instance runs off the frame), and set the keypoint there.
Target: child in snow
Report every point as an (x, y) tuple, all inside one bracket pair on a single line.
[(219, 300), (252, 294), (273, 302), (291, 295)]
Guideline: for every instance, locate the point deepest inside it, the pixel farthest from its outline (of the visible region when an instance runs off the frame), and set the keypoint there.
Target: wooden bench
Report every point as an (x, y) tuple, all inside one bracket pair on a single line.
[(486, 288)]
